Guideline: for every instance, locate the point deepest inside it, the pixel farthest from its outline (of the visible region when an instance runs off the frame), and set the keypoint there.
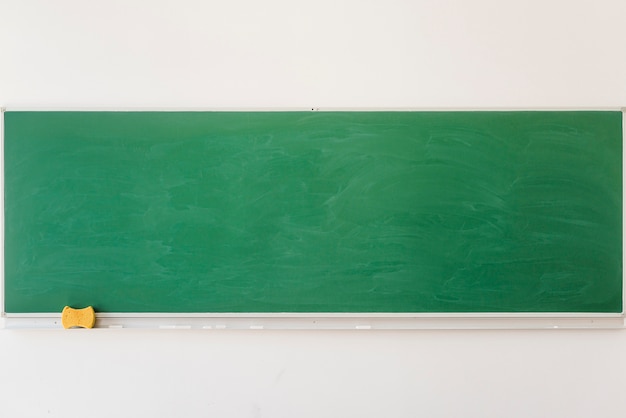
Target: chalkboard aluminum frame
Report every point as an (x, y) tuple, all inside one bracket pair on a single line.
[(328, 321)]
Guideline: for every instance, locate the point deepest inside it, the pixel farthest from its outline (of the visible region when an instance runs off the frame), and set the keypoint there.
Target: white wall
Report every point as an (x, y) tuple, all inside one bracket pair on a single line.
[(323, 53)]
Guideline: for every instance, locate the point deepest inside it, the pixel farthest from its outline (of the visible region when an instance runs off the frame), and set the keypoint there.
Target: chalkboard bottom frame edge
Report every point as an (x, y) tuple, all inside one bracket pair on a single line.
[(328, 321)]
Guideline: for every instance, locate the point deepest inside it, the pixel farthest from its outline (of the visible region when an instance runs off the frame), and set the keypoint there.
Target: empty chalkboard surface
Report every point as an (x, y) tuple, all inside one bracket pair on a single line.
[(323, 212)]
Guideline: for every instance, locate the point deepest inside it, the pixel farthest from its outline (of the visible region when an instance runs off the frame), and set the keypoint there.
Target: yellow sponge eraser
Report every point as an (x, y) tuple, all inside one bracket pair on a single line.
[(78, 318)]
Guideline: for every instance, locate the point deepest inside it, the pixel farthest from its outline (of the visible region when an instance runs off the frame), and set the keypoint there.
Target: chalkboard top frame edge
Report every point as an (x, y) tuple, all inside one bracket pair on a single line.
[(314, 109)]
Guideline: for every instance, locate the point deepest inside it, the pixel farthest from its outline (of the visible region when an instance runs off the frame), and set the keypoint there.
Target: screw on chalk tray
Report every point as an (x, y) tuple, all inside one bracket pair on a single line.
[(78, 318)]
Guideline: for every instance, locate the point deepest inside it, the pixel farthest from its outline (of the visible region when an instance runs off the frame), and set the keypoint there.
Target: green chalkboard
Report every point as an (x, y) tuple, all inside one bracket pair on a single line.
[(288, 212)]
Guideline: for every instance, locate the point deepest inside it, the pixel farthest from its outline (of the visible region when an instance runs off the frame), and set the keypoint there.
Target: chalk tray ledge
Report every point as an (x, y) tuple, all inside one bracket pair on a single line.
[(328, 321)]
